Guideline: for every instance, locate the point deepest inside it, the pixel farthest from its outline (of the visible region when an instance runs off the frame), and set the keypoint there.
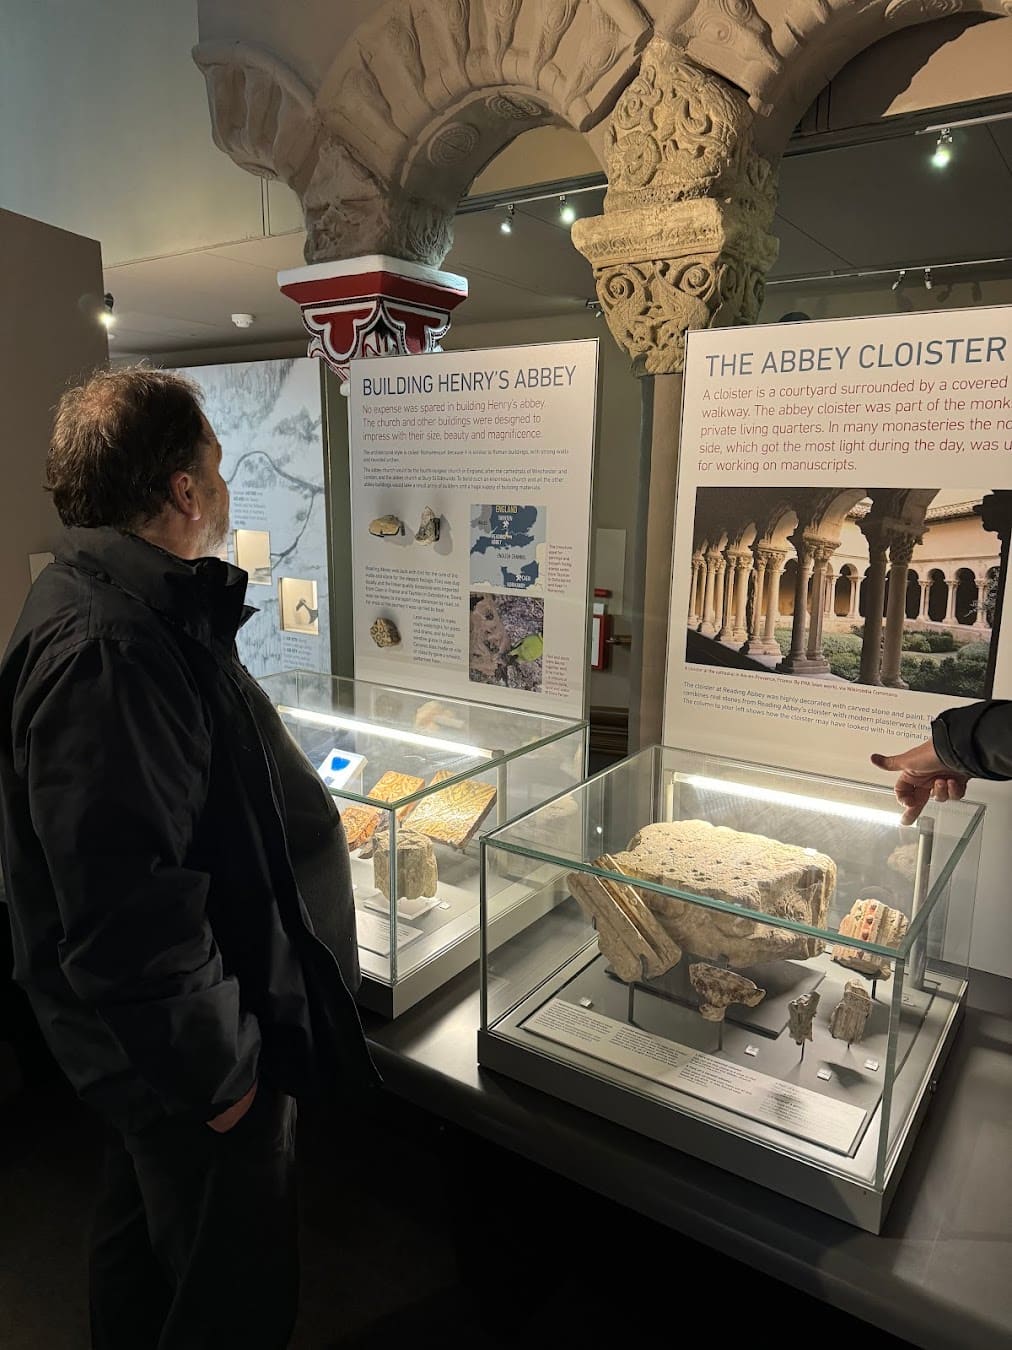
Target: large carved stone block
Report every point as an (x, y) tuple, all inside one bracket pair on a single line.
[(747, 870)]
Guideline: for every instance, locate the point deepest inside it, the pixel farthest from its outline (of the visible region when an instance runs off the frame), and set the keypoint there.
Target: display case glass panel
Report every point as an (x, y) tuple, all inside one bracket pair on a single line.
[(764, 968), (419, 780)]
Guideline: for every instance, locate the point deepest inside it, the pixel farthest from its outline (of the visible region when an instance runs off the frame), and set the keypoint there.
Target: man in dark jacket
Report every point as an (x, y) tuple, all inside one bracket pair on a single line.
[(968, 742), (174, 869)]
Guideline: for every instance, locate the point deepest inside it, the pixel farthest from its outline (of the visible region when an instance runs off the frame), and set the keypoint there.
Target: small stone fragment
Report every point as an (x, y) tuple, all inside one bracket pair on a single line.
[(428, 530), (416, 865), (870, 921), (850, 1016), (383, 527), (385, 633), (718, 988), (800, 1016)]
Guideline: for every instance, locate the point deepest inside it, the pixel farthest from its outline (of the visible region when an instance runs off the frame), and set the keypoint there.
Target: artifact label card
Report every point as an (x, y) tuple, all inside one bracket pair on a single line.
[(374, 933), (771, 1101), (471, 482), (840, 529)]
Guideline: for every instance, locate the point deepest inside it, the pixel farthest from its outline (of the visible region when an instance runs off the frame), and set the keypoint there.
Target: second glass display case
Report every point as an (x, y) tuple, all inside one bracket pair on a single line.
[(418, 781), (765, 969)]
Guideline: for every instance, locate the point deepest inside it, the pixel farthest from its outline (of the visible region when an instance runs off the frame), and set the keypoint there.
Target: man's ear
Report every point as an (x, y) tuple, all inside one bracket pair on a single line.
[(184, 495)]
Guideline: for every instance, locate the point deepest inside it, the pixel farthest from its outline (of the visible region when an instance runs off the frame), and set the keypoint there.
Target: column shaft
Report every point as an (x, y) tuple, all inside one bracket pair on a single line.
[(871, 646), (892, 649)]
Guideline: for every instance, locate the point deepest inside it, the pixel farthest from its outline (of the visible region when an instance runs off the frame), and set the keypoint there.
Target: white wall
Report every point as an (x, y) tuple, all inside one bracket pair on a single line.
[(104, 128)]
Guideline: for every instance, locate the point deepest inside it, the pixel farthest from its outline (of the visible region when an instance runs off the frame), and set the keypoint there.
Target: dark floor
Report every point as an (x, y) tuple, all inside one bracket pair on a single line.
[(413, 1235)]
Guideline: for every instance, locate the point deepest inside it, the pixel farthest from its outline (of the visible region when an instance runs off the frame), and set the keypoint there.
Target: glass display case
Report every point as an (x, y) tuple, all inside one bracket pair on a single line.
[(764, 969), (418, 781)]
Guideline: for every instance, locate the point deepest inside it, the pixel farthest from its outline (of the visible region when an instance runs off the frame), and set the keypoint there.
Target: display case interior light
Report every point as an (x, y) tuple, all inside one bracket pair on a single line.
[(317, 719), (870, 815)]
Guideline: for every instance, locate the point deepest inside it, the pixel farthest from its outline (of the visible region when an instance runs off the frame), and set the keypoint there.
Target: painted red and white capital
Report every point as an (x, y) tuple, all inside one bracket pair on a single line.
[(374, 306)]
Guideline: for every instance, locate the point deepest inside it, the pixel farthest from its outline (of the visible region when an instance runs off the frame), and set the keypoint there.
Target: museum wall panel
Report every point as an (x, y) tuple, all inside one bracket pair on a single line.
[(50, 337)]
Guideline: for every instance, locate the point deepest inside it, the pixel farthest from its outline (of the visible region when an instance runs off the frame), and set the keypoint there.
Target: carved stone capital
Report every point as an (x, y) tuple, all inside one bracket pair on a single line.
[(684, 241), (901, 547)]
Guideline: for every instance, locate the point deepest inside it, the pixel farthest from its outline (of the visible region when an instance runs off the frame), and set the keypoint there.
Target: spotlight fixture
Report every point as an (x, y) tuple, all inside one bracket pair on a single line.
[(105, 314), (567, 213), (595, 308), (928, 283), (943, 149), (900, 279), (243, 320), (506, 226)]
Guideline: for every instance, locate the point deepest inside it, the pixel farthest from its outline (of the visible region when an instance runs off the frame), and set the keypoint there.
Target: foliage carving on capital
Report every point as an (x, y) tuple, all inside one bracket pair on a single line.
[(684, 239)]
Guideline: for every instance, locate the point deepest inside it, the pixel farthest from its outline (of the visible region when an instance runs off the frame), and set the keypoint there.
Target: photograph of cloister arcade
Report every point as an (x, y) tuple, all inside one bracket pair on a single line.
[(893, 587)]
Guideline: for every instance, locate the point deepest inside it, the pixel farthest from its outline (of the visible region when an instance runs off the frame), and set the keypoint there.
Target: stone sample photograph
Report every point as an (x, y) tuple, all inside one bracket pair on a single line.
[(507, 640), (386, 527), (385, 633)]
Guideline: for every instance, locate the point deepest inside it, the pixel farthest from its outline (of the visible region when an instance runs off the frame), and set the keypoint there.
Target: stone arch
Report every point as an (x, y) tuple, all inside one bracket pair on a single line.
[(429, 91), (781, 63), (913, 599), (938, 595), (843, 591), (966, 596)]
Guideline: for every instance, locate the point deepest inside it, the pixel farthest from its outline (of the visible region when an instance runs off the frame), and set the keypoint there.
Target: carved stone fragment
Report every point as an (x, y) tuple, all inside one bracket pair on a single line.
[(850, 1016), (453, 815), (416, 865), (428, 530), (384, 527), (870, 921), (718, 988), (635, 944), (747, 870), (385, 633), (800, 1016)]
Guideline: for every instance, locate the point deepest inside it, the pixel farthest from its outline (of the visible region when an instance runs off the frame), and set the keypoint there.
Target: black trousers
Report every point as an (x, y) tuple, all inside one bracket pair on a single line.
[(195, 1236)]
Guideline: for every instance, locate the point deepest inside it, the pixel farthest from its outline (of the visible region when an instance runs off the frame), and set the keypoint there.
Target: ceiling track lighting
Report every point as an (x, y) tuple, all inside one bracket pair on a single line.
[(105, 315), (928, 283), (900, 279), (943, 149), (506, 226), (567, 212)]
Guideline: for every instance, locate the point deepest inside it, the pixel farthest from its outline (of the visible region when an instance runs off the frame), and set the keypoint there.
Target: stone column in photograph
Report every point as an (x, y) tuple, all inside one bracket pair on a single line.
[(719, 593), (981, 620), (815, 661), (922, 612), (706, 626), (950, 613), (695, 590), (754, 644), (775, 564), (874, 603), (854, 611), (743, 566), (901, 549), (794, 663)]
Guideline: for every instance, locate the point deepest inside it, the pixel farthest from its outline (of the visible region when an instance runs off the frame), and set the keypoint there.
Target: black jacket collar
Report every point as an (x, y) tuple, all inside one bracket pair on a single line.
[(205, 598)]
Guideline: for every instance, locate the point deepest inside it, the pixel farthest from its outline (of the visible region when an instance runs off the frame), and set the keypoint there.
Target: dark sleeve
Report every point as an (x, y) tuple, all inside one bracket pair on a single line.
[(976, 740), (117, 756)]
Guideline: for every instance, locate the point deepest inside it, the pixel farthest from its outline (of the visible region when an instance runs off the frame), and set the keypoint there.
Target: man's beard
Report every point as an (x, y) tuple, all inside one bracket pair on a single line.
[(216, 531)]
